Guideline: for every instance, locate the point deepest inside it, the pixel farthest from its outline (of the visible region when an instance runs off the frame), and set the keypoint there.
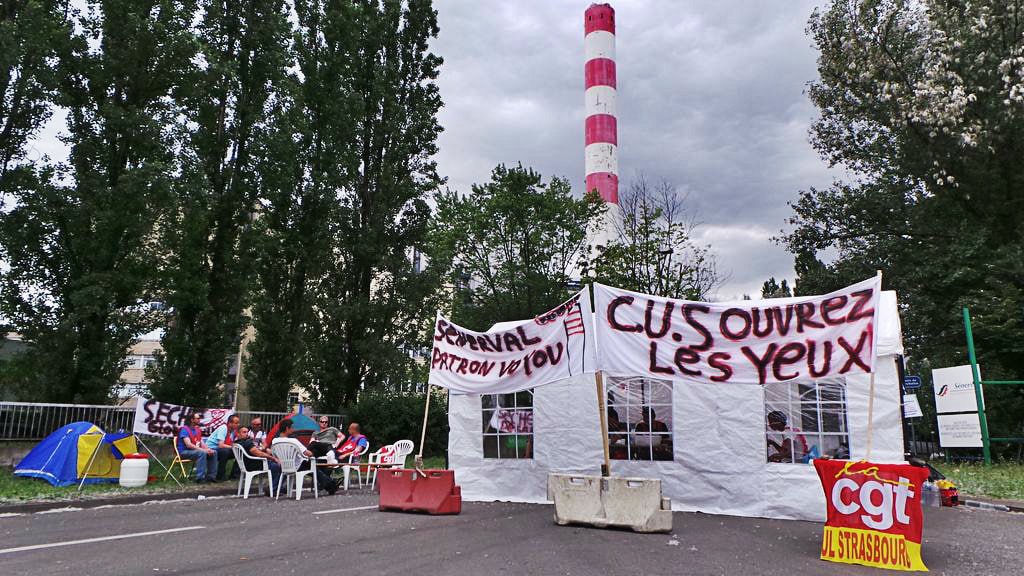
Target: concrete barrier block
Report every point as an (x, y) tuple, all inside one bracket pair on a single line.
[(634, 503)]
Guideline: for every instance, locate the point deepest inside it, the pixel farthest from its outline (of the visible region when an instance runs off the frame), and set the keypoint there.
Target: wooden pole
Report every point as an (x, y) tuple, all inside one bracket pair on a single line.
[(602, 410), (423, 434), (871, 389), (871, 415)]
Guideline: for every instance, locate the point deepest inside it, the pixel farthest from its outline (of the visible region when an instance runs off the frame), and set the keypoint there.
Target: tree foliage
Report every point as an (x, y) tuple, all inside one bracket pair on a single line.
[(348, 209), (209, 239), (510, 246), (652, 248), (79, 237), (773, 289), (923, 104)]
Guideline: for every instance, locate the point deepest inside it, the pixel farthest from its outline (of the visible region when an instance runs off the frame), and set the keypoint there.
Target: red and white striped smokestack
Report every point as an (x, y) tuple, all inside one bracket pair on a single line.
[(602, 155)]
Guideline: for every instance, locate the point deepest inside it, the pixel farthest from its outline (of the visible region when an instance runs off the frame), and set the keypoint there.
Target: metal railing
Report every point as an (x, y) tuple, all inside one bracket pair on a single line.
[(29, 421)]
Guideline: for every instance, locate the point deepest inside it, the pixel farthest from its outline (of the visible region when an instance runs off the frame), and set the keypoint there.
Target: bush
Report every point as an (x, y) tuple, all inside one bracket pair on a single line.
[(386, 417)]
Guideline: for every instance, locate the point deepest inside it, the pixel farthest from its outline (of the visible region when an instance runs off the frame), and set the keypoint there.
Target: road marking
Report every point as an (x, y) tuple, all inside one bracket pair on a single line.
[(346, 509), (103, 539)]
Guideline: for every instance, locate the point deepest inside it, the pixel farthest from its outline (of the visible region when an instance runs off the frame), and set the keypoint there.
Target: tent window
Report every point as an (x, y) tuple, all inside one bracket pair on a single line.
[(508, 425), (805, 420), (639, 419)]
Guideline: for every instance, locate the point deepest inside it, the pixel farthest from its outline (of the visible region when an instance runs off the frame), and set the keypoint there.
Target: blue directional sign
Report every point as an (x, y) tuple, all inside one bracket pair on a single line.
[(911, 382)]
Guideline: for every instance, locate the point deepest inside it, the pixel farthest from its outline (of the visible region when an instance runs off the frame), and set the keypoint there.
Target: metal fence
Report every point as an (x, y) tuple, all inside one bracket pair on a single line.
[(28, 421)]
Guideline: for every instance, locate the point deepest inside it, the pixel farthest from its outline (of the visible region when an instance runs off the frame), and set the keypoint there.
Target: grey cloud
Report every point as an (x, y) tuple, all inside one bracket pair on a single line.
[(710, 98)]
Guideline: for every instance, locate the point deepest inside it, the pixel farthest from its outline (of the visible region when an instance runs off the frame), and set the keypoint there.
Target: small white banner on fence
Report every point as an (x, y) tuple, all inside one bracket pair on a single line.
[(551, 347), (162, 419)]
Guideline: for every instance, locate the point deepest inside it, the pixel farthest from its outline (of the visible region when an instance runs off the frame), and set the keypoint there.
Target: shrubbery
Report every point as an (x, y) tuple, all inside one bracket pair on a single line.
[(386, 417)]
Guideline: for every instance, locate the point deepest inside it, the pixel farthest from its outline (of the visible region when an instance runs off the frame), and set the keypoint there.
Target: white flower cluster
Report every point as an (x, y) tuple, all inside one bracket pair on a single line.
[(948, 71)]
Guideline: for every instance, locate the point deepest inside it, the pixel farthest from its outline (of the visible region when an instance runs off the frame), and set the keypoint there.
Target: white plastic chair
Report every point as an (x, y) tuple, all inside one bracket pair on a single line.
[(353, 464), (291, 458), (247, 475), (384, 456), (402, 449)]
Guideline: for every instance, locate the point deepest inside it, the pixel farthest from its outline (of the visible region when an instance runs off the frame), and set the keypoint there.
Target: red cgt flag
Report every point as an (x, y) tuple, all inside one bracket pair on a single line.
[(874, 513)]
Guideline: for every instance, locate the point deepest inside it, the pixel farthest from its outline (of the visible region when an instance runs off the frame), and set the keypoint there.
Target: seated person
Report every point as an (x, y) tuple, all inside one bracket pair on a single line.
[(616, 441), (257, 433), (325, 440), (355, 444), (254, 450), (220, 440), (661, 444), (191, 447), (780, 447), (284, 433)]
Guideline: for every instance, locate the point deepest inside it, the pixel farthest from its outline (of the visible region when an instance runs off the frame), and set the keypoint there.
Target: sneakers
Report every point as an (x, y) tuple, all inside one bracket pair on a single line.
[(332, 488)]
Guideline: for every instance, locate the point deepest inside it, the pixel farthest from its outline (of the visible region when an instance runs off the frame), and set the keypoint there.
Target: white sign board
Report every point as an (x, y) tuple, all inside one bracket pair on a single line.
[(959, 431), (551, 347), (748, 342), (954, 389), (911, 407)]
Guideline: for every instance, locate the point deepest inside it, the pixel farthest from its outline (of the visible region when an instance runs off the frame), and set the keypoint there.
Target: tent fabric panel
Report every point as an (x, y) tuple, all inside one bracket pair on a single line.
[(96, 459), (718, 442)]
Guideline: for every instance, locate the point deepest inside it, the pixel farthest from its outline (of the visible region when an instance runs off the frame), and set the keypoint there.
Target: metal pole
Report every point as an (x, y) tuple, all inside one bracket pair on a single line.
[(901, 372), (977, 388)]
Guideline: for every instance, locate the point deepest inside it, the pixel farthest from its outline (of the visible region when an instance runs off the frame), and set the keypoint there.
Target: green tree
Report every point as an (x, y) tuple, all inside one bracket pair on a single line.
[(510, 246), (652, 250), (373, 302), (773, 289), (209, 239), (923, 103), (80, 242), (32, 34), (340, 304)]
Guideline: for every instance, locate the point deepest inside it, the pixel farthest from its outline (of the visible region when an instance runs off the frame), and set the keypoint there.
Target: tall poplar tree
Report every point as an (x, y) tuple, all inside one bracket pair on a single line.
[(373, 301), (244, 49), (342, 237), (312, 127), (80, 244)]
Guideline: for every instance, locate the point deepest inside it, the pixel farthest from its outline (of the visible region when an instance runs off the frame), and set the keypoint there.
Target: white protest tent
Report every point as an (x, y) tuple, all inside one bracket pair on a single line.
[(719, 461)]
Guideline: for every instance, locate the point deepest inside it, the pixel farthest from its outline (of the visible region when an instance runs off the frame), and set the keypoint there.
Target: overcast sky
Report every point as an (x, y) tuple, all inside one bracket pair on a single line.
[(710, 97)]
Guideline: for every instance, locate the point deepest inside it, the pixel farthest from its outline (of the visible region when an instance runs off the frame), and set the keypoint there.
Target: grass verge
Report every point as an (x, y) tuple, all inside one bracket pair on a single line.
[(15, 489), (1004, 480)]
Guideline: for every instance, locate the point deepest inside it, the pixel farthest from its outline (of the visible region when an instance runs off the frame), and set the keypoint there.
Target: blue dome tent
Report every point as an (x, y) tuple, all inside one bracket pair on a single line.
[(76, 451)]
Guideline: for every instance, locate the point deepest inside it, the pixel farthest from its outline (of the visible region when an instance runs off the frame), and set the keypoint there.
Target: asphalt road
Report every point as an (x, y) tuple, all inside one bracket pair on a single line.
[(260, 536)]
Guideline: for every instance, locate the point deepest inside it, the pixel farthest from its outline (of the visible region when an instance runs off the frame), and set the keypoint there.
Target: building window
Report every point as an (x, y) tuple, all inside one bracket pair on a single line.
[(639, 419), (805, 420), (508, 425)]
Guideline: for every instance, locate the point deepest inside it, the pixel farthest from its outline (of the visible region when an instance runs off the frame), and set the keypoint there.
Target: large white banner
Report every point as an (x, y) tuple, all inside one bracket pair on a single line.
[(162, 419), (749, 342), (548, 348)]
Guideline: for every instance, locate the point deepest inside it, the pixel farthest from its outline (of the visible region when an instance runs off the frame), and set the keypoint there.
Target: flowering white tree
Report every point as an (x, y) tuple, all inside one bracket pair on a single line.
[(922, 103)]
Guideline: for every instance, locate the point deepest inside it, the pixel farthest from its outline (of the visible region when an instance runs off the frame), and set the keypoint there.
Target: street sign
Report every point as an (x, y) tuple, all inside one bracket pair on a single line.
[(911, 382)]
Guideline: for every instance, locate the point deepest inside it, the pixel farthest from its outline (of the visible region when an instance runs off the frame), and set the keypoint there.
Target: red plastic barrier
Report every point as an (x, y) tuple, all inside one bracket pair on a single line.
[(409, 491)]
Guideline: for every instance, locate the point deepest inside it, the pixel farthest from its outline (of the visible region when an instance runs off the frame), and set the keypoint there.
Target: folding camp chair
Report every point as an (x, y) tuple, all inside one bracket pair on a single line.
[(180, 462)]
